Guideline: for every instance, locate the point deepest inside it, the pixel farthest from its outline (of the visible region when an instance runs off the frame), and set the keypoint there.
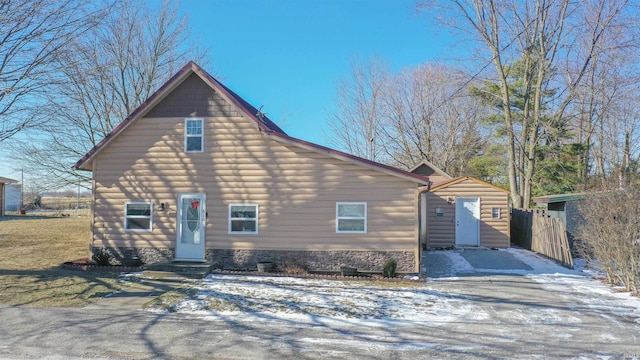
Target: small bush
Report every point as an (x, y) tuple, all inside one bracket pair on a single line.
[(293, 267), (101, 257), (389, 269), (133, 261)]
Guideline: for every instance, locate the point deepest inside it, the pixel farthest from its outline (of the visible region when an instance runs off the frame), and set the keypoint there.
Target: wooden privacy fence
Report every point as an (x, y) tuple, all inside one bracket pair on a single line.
[(536, 231)]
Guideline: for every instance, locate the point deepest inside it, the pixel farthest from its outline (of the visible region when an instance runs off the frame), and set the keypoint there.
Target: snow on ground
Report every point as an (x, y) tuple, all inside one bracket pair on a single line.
[(300, 299), (580, 287), (219, 296)]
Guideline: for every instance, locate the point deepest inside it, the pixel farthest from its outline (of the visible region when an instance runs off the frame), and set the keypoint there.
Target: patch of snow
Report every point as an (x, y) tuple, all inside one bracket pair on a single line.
[(539, 264), (458, 263), (379, 344), (379, 304), (543, 316), (219, 296), (133, 273), (577, 286), (412, 277)]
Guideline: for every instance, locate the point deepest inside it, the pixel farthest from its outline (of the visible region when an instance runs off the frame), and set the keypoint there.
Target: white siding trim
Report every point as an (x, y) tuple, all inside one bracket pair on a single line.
[(127, 216), (256, 219), (187, 136)]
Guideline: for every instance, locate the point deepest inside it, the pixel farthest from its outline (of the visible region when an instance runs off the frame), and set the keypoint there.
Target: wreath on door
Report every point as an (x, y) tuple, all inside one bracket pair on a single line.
[(193, 215)]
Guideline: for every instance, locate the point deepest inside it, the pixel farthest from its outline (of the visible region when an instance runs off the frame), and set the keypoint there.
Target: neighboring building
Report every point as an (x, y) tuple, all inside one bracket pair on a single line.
[(565, 207), (196, 173), (425, 168), (12, 197), (3, 184), (466, 212)]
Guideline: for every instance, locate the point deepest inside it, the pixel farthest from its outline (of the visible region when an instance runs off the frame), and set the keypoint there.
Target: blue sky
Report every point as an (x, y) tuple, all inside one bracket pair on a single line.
[(289, 55)]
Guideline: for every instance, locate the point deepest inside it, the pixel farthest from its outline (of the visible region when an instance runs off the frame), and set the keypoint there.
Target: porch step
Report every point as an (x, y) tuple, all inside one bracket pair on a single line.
[(178, 269)]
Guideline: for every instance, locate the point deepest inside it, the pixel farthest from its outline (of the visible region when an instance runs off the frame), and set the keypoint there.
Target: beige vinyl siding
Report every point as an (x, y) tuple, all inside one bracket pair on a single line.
[(438, 179), (493, 232), (296, 190), (441, 230)]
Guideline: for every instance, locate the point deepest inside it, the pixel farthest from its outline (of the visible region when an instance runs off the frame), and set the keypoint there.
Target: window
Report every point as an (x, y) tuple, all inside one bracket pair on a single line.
[(138, 216), (351, 217), (439, 212), (243, 219), (193, 138), (495, 213)]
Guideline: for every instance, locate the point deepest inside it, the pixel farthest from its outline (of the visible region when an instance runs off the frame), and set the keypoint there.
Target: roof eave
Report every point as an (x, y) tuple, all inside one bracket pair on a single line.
[(463, 178), (5, 180), (558, 198)]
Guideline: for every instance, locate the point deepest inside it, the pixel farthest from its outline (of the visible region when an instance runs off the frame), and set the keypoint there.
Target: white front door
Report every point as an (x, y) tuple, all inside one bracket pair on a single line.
[(467, 221), (191, 225)]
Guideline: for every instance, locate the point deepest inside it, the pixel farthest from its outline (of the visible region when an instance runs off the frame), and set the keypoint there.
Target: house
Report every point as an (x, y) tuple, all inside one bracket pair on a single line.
[(565, 207), (198, 174), (465, 212), (3, 182)]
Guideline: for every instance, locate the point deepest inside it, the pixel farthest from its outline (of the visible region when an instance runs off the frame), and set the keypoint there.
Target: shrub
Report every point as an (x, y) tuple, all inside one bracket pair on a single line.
[(609, 236), (389, 269), (293, 267), (101, 257), (133, 261)]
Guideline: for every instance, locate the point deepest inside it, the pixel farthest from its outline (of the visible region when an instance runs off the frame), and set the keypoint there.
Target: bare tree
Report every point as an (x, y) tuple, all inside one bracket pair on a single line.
[(538, 36), (32, 33), (430, 115), (418, 113), (107, 74), (357, 126)]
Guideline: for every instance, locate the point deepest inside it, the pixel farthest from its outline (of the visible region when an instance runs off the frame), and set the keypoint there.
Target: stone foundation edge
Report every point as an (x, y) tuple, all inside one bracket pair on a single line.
[(226, 259)]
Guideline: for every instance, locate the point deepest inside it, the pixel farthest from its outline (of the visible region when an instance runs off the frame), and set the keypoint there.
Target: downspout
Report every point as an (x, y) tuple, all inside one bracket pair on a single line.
[(422, 223)]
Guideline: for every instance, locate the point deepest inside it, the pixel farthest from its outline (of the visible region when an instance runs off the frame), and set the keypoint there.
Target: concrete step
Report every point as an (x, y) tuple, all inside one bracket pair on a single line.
[(174, 274), (178, 269)]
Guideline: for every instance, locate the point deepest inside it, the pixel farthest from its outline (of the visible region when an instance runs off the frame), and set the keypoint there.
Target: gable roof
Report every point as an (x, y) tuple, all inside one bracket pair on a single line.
[(463, 178), (428, 164), (263, 123), (4, 180)]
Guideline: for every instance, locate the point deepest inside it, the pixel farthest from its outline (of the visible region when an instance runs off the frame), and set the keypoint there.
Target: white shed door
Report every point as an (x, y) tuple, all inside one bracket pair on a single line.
[(191, 226), (467, 221)]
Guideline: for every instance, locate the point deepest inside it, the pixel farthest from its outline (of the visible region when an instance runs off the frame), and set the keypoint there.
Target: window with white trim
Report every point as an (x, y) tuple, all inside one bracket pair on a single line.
[(138, 216), (495, 213), (193, 135), (243, 219), (351, 217)]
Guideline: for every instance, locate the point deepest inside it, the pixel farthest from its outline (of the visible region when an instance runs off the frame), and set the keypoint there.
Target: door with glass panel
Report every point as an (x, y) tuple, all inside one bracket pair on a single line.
[(191, 227)]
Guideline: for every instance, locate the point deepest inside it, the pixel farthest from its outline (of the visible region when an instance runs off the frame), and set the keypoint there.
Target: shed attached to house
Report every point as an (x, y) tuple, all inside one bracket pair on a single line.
[(196, 173), (3, 182), (466, 212)]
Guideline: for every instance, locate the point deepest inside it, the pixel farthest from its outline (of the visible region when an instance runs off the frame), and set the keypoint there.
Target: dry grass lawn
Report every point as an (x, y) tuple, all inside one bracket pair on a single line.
[(31, 252)]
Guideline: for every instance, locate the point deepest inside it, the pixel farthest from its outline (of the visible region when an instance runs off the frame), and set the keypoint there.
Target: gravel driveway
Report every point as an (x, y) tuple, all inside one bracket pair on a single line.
[(527, 309)]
